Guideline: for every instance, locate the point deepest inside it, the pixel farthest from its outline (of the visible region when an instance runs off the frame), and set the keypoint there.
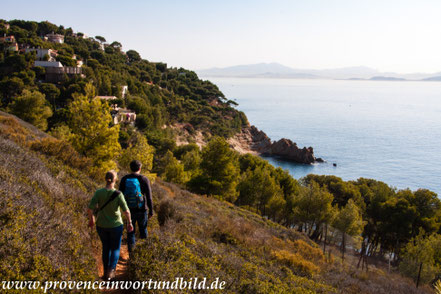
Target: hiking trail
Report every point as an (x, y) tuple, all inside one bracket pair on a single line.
[(122, 269)]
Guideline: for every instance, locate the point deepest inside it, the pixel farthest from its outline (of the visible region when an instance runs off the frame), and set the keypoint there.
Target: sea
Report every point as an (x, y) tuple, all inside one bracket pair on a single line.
[(384, 130)]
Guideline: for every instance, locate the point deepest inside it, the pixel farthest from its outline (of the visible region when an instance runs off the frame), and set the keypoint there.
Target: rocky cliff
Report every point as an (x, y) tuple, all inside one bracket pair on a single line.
[(253, 140)]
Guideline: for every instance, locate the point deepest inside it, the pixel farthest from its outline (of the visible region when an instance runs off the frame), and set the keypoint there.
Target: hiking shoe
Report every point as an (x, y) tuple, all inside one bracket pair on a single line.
[(105, 275), (111, 275)]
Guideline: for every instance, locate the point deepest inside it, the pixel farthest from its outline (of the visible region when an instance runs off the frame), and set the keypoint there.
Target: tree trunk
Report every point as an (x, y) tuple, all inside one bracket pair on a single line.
[(419, 275), (314, 236), (343, 247), (361, 255)]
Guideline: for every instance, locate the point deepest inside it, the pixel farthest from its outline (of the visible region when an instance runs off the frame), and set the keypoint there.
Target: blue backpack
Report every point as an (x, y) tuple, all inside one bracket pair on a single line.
[(133, 194)]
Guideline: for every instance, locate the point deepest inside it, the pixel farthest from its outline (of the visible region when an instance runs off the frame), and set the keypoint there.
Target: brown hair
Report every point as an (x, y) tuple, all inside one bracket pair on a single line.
[(111, 175)]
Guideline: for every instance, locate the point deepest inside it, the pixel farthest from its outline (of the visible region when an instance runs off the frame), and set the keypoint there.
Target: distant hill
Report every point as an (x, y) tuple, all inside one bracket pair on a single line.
[(276, 70), (381, 78), (267, 70), (433, 79)]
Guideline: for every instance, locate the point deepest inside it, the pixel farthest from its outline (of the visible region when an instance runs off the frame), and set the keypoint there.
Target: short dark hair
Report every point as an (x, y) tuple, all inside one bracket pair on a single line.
[(135, 165)]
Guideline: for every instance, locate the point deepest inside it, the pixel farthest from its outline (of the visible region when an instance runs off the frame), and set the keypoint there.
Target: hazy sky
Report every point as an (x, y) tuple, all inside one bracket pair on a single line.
[(388, 35)]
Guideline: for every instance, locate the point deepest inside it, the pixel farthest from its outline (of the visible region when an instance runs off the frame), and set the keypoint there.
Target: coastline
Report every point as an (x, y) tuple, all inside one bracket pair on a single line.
[(254, 141)]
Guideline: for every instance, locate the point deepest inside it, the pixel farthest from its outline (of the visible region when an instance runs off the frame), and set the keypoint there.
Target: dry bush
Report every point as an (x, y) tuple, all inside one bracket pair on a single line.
[(63, 151), (167, 210), (11, 129), (307, 251), (296, 262)]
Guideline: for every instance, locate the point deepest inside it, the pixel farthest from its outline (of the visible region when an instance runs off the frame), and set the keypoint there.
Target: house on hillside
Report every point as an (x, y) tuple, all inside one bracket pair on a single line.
[(55, 38), (59, 74), (7, 39), (55, 72), (79, 61), (47, 64), (44, 54), (122, 115), (9, 43)]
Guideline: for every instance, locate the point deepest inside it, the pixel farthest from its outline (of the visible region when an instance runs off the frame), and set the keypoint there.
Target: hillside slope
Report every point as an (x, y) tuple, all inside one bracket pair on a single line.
[(44, 235), (196, 237)]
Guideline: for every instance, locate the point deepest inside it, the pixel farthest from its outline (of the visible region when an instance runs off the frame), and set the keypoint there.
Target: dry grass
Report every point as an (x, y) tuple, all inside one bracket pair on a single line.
[(43, 233)]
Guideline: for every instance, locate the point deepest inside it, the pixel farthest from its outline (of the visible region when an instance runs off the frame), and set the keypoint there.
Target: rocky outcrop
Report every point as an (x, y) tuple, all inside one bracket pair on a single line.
[(288, 150), (254, 140)]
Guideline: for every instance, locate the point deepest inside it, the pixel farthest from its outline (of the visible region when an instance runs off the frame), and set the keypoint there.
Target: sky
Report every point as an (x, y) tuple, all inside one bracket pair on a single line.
[(387, 35)]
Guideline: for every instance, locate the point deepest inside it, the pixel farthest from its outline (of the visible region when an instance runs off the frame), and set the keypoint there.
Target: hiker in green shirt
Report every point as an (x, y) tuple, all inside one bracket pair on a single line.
[(109, 223)]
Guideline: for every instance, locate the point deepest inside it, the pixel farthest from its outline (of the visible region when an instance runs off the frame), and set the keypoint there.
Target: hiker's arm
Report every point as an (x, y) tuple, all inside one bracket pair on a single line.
[(91, 217), (92, 205), (129, 220), (122, 184), (148, 196)]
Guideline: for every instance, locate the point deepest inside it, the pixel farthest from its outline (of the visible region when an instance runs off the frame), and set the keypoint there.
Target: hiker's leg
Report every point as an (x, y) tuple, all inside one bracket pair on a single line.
[(131, 235), (142, 224), (115, 245), (105, 240)]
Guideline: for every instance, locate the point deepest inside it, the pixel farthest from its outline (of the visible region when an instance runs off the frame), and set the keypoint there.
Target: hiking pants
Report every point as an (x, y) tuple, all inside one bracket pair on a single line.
[(111, 239), (140, 218)]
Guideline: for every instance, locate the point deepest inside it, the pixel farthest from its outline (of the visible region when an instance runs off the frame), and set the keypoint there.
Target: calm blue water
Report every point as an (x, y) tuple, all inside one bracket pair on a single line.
[(389, 131)]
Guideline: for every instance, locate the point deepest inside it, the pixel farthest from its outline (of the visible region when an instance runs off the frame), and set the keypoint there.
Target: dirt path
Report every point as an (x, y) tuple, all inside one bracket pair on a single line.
[(121, 268)]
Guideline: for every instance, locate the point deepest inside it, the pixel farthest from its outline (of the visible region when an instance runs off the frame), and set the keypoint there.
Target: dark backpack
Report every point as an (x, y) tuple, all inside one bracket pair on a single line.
[(132, 193)]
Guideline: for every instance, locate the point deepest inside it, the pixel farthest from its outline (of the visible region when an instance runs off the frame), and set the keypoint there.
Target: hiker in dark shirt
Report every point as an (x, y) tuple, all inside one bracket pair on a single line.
[(138, 194)]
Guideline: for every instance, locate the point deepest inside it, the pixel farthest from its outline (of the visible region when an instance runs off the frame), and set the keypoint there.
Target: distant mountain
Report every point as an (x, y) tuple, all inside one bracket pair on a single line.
[(381, 78), (250, 69), (276, 70), (262, 70), (355, 72), (438, 78)]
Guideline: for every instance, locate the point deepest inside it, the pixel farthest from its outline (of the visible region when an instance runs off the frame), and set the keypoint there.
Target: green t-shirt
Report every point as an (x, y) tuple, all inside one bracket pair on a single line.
[(109, 216)]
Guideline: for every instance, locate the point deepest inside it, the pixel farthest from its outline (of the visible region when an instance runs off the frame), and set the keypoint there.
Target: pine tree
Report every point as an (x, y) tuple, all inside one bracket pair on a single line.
[(219, 171), (258, 188), (138, 150), (174, 170), (32, 107), (349, 222), (313, 208), (421, 258), (92, 135)]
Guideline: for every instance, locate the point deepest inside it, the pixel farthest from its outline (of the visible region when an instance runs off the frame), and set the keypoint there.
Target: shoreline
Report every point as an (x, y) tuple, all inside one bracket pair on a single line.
[(254, 141), (251, 140)]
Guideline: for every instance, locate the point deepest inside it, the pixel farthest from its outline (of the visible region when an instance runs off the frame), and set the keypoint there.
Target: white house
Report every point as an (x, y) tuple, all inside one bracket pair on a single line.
[(47, 63), (56, 38), (120, 115), (41, 53)]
